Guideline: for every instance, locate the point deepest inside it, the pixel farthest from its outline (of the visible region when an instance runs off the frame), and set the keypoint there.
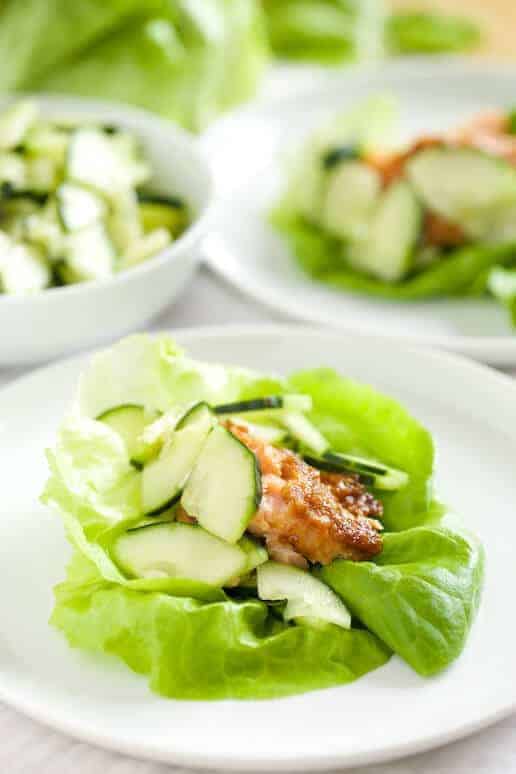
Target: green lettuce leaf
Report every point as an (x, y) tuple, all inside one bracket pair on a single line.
[(420, 32), (242, 647), (326, 31), (420, 595), (322, 257), (185, 59), (195, 650), (359, 420)]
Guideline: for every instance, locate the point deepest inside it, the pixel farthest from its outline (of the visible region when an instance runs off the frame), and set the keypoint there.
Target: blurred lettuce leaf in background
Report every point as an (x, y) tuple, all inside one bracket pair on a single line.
[(419, 32), (326, 31), (184, 59), (189, 60)]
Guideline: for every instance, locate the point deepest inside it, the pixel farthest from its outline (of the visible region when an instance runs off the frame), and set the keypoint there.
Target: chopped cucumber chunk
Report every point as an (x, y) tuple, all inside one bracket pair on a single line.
[(78, 207), (145, 247), (23, 269), (15, 123), (388, 249), (13, 171), (47, 140), (307, 597), (89, 254), (224, 488), (164, 478), (179, 551), (351, 194), (124, 220), (159, 212)]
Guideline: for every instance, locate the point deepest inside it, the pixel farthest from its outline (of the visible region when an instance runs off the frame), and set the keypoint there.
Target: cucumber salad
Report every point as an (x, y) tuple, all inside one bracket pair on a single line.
[(436, 217), (74, 204), (242, 535)]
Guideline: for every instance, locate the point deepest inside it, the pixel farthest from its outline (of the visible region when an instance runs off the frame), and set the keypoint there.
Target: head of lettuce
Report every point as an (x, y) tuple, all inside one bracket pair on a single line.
[(416, 599)]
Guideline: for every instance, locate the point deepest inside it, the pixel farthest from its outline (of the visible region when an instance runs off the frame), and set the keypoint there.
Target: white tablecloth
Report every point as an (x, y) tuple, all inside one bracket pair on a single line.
[(29, 748)]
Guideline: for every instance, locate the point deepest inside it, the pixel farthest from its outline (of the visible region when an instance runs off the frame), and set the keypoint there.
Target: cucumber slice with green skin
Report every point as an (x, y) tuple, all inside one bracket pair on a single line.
[(388, 250), (156, 434), (352, 192), (371, 473), (88, 254), (255, 552), (180, 551), (78, 207), (288, 402), (305, 433), (164, 478), (306, 596), (156, 214), (464, 185), (15, 123), (129, 421), (341, 153), (11, 194), (23, 269), (199, 412), (224, 488)]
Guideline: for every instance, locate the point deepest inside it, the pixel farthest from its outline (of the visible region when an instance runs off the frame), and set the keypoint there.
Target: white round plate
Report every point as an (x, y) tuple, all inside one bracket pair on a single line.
[(248, 150), (389, 713)]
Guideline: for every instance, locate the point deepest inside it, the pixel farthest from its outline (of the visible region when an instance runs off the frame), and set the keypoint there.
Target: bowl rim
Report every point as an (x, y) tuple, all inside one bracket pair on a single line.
[(183, 138)]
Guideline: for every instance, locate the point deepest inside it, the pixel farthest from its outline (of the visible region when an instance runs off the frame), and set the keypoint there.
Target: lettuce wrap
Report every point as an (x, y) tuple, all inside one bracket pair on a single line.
[(417, 599)]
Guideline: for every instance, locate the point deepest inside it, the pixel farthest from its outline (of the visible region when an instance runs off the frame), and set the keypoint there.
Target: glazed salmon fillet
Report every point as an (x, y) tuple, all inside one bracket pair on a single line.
[(306, 515)]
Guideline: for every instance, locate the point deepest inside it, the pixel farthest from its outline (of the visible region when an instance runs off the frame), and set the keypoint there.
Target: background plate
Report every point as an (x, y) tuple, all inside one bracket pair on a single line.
[(248, 151), (101, 701)]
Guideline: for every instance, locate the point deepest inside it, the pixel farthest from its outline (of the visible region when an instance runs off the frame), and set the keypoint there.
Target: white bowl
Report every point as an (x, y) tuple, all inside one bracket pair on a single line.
[(59, 320)]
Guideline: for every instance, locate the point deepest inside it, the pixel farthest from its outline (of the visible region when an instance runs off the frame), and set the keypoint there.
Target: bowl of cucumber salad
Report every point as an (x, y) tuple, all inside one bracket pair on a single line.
[(101, 210)]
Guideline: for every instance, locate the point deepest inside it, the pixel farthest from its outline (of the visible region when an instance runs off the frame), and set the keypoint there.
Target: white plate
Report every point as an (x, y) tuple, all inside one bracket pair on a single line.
[(247, 151), (390, 712)]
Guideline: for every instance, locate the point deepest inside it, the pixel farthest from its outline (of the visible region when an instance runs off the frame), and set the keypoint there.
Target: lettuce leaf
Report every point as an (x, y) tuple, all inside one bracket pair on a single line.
[(421, 594), (242, 648), (194, 650), (420, 32), (322, 257), (184, 59), (359, 420), (326, 31)]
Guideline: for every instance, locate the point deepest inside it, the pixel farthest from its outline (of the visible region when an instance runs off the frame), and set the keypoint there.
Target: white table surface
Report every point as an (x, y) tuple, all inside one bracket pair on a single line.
[(29, 748)]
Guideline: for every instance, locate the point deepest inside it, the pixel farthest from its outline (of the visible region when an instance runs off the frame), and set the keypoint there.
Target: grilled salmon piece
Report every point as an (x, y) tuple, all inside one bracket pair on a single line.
[(306, 515)]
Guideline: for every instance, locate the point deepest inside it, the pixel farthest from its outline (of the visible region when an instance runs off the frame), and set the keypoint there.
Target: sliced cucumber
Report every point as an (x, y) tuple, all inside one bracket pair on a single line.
[(164, 478), (305, 432), (161, 212), (78, 207), (466, 186), (43, 229), (89, 254), (224, 488), (145, 247), (42, 174), (388, 250), (255, 552), (306, 596), (133, 170), (287, 402), (129, 421), (352, 191), (178, 551), (371, 472), (23, 269), (267, 433), (199, 412), (339, 154), (15, 123)]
